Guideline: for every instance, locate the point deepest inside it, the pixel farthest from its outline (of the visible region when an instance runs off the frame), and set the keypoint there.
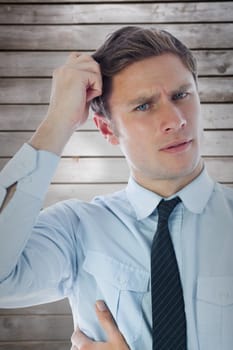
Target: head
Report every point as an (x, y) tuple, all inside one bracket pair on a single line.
[(132, 44), (150, 106)]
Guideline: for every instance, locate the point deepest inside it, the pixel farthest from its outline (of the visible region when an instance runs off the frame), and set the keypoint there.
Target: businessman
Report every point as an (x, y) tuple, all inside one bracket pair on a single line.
[(159, 252)]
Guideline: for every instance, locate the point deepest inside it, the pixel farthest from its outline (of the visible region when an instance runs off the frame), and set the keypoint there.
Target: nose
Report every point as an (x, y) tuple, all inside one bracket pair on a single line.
[(172, 118)]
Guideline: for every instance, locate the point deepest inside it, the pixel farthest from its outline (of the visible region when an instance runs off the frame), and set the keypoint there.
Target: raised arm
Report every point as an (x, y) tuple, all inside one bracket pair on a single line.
[(25, 179)]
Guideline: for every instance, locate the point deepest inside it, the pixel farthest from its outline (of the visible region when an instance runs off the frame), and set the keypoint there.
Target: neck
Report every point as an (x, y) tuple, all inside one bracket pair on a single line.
[(168, 187)]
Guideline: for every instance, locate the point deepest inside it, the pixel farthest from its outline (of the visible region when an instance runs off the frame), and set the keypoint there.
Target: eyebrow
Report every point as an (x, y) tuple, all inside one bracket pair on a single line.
[(182, 88), (143, 99), (153, 98)]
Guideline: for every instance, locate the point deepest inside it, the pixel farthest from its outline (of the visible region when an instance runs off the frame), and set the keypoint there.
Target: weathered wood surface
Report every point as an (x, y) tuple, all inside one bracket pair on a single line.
[(89, 37), (84, 192), (36, 90), (42, 64), (35, 39), (28, 117), (56, 308), (85, 1), (36, 327), (96, 173), (36, 345), (116, 13), (92, 144)]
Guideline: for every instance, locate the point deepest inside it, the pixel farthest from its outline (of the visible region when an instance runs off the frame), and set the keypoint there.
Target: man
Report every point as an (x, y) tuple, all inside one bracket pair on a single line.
[(142, 85)]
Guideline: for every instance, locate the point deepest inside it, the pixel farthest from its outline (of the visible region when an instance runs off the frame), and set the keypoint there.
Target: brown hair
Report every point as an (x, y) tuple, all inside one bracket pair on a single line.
[(131, 44)]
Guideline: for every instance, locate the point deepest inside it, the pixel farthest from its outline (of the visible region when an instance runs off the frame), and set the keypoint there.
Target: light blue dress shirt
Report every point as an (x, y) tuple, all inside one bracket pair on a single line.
[(101, 250)]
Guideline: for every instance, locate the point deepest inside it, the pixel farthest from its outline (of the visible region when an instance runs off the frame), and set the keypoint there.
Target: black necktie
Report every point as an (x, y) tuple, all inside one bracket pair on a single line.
[(168, 315)]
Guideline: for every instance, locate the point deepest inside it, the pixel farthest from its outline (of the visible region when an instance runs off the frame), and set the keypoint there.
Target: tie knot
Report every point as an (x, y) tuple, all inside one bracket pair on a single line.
[(166, 207)]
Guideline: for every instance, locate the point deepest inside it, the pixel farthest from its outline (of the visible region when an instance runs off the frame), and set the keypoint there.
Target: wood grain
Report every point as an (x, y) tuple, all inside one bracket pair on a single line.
[(83, 1), (36, 37), (80, 37), (88, 177), (36, 345), (36, 90), (28, 117), (57, 308), (92, 144), (42, 64), (36, 327), (116, 13)]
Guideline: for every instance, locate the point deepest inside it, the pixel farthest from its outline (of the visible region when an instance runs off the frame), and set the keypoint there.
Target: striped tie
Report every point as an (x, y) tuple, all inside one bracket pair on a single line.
[(168, 315)]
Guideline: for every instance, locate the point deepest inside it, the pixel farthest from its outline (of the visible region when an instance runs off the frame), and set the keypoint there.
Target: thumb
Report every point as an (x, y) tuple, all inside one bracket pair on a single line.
[(109, 325)]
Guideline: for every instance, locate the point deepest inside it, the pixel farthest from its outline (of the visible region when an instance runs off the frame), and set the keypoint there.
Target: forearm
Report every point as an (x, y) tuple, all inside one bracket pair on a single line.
[(30, 173), (52, 135)]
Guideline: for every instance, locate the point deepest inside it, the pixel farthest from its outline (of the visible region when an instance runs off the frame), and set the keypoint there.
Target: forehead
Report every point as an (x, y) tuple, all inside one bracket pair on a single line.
[(166, 72)]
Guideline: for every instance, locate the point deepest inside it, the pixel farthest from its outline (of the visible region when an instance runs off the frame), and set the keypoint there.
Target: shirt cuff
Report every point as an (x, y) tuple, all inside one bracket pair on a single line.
[(32, 169)]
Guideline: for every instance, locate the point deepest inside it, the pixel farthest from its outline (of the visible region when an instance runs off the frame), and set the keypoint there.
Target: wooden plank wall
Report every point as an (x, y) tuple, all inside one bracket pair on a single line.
[(35, 37)]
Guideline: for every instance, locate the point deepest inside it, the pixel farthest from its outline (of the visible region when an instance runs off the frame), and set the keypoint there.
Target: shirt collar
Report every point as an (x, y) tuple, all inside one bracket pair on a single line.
[(194, 196)]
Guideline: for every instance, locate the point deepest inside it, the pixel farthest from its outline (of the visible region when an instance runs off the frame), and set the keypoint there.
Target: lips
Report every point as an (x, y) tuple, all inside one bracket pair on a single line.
[(176, 146)]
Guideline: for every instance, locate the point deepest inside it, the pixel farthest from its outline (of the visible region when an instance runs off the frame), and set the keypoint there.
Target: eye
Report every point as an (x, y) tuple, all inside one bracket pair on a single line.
[(143, 107), (180, 95)]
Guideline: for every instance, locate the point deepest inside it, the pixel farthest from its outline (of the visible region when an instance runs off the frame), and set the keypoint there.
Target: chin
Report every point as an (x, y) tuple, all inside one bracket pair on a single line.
[(185, 170)]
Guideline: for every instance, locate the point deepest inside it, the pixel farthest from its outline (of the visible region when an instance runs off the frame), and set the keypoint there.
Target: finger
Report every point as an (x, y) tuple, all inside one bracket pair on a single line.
[(79, 339), (73, 56), (84, 61), (85, 64), (109, 325), (106, 320)]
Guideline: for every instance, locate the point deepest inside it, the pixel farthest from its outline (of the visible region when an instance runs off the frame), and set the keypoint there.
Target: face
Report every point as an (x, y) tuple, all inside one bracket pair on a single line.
[(155, 111)]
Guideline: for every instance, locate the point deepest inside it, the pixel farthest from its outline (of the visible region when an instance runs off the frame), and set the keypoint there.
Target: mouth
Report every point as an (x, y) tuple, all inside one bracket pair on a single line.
[(178, 146)]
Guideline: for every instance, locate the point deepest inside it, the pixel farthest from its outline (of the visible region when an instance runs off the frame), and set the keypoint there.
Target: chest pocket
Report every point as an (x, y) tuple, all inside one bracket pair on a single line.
[(215, 313), (122, 288)]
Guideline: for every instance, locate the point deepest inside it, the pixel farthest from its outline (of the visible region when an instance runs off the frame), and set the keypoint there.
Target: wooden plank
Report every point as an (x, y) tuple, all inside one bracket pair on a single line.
[(57, 308), (80, 144), (80, 37), (25, 90), (83, 192), (212, 62), (58, 193), (36, 327), (28, 117), (87, 178), (98, 170), (31, 64), (217, 116), (34, 345), (216, 89), (116, 13), (82, 1), (221, 169), (115, 170), (36, 90), (42, 64), (92, 144)]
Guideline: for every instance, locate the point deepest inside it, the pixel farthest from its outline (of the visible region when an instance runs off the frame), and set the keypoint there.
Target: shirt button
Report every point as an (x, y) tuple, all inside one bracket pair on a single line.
[(121, 280)]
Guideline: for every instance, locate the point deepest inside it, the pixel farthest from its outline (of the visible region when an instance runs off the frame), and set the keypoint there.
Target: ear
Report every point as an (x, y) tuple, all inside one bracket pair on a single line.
[(104, 127)]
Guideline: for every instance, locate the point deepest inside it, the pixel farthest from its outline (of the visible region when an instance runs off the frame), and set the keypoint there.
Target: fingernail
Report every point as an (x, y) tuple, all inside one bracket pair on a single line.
[(101, 306)]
